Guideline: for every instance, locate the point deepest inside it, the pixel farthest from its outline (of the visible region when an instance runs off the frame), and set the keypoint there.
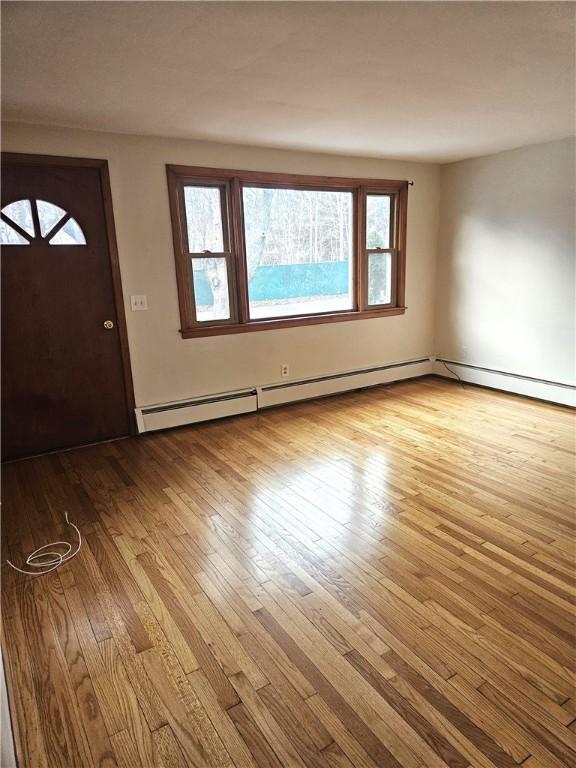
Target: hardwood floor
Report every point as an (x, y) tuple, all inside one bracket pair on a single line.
[(377, 580)]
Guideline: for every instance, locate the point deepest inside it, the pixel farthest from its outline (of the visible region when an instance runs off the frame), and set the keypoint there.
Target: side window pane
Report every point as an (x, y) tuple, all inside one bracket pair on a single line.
[(210, 277), (298, 251), (379, 278), (377, 221), (203, 219)]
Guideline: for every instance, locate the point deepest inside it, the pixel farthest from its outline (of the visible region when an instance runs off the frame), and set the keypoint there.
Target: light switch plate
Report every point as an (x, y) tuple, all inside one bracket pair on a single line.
[(138, 303)]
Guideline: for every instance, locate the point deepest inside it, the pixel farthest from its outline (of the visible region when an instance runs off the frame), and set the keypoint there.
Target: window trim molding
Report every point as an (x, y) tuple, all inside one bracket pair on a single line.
[(178, 176)]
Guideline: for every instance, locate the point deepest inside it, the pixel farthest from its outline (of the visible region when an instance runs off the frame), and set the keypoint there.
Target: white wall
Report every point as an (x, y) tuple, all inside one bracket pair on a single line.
[(167, 367), (506, 262), (503, 298)]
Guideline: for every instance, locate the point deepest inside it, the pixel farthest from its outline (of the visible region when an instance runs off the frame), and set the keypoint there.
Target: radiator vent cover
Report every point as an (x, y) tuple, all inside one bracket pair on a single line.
[(320, 386), (197, 409), (176, 414)]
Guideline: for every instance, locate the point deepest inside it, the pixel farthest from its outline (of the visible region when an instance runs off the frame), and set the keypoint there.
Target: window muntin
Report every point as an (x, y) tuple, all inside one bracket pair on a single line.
[(9, 236), (283, 260), (55, 225), (299, 251), (68, 234), (20, 213), (49, 215)]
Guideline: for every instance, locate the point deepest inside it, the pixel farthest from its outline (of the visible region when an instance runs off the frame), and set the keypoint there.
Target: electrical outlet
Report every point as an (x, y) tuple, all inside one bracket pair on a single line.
[(138, 303), (285, 370)]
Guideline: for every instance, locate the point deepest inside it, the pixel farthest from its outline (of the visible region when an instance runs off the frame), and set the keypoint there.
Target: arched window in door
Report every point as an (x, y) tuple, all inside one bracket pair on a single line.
[(24, 221)]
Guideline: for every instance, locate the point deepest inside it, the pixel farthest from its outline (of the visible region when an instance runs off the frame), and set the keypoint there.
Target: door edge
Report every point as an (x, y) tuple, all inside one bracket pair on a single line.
[(118, 294)]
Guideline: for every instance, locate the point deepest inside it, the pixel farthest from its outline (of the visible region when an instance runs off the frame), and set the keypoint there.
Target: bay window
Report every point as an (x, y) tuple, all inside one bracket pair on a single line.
[(260, 250)]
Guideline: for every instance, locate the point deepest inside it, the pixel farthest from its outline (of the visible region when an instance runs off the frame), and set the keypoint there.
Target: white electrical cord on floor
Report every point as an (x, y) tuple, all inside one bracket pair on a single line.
[(37, 559)]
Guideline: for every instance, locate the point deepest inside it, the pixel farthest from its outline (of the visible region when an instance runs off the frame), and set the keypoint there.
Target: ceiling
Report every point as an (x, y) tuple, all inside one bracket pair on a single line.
[(421, 81)]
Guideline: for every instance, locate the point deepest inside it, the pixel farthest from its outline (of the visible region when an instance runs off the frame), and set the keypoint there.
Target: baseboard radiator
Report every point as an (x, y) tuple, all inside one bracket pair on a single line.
[(307, 389), (507, 381), (176, 414), (198, 409)]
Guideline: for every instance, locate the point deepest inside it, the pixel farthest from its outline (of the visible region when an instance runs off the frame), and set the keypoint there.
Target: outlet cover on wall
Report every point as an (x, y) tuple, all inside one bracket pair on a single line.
[(285, 370), (138, 303)]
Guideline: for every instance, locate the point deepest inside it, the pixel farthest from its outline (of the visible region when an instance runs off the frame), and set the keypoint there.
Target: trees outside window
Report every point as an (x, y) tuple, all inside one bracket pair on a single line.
[(259, 250)]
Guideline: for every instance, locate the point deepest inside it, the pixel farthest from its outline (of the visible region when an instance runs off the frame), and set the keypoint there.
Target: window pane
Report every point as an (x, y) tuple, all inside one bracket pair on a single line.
[(210, 277), (69, 234), (49, 215), (379, 278), (9, 236), (204, 219), (298, 251), (377, 221), (21, 213)]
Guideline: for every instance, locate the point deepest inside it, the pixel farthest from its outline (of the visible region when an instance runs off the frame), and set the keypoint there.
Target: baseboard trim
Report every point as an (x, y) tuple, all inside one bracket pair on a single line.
[(216, 406), (334, 384), (222, 405), (180, 413), (507, 381)]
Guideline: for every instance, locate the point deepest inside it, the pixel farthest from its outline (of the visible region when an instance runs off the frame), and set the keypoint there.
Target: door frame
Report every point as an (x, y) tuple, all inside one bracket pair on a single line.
[(102, 166)]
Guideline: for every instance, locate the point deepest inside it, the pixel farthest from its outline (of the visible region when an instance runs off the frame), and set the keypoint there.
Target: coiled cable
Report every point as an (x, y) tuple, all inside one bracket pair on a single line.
[(37, 559)]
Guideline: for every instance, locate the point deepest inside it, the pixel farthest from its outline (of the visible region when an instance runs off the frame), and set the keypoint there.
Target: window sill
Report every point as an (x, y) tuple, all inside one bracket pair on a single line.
[(286, 322)]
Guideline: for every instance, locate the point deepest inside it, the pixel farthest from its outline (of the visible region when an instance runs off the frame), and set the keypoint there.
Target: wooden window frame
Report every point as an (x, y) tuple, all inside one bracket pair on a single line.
[(231, 183)]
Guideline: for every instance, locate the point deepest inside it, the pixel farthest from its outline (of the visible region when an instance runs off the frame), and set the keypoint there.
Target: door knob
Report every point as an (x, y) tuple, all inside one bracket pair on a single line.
[(108, 324)]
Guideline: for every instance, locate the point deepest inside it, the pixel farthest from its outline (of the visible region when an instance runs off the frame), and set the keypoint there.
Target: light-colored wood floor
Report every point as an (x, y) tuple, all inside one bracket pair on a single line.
[(376, 580)]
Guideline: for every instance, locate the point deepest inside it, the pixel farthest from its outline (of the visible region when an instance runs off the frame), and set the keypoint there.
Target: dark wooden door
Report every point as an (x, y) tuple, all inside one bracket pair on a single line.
[(64, 378)]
